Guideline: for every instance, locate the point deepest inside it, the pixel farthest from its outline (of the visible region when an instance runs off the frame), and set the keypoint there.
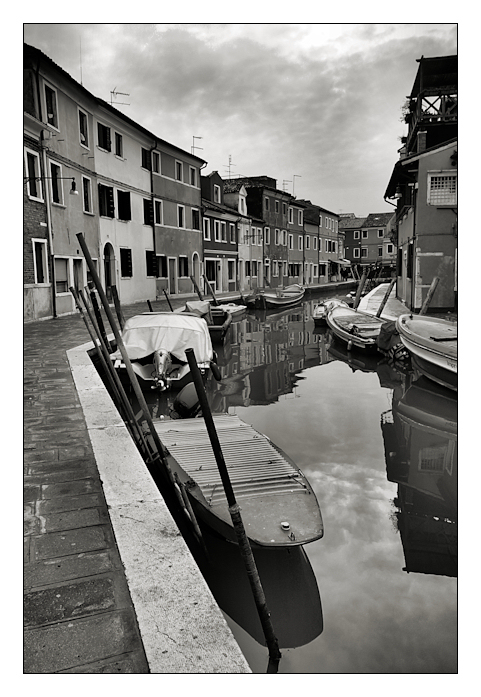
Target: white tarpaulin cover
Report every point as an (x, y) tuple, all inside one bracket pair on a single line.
[(152, 331)]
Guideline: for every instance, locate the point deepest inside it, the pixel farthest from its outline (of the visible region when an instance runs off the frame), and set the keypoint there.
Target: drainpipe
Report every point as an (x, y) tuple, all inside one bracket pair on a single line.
[(43, 150), (154, 147), (414, 249)]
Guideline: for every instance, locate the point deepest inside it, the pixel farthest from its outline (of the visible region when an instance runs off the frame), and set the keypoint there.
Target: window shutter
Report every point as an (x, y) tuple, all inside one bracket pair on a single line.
[(148, 212), (124, 205), (110, 202)]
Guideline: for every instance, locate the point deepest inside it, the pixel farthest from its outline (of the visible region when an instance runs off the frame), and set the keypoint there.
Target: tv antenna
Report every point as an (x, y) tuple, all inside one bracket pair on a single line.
[(285, 182), (114, 93), (194, 146), (229, 166), (294, 181)]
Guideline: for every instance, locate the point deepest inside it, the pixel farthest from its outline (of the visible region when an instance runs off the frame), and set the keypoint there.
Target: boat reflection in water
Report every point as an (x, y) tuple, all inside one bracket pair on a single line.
[(420, 441), (288, 581)]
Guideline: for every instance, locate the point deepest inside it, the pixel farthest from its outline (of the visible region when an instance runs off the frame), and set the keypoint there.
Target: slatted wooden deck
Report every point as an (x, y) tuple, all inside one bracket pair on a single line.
[(255, 467)]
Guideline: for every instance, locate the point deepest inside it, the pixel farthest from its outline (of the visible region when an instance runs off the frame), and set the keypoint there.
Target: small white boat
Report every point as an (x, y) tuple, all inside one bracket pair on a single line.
[(433, 345), (354, 328), (236, 311), (278, 298), (156, 342), (320, 312)]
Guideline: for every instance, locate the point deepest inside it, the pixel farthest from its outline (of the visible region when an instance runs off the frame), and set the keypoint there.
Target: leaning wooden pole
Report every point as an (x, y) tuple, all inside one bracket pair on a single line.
[(386, 297), (196, 287), (429, 296), (132, 376), (168, 300), (118, 308), (234, 510), (209, 288), (359, 289)]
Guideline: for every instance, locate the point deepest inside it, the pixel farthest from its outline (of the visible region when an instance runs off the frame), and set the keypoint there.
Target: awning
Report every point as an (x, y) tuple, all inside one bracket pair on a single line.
[(344, 262)]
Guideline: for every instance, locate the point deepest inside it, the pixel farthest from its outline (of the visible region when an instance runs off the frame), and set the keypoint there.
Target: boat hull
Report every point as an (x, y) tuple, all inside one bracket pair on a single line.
[(432, 344), (355, 329), (277, 503), (320, 312)]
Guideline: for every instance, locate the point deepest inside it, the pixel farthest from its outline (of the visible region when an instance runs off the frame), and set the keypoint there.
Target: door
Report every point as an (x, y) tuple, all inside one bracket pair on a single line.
[(172, 276), (210, 273)]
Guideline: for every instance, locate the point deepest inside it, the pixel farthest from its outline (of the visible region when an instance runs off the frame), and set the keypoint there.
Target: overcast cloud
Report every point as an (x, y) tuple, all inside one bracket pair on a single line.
[(319, 101)]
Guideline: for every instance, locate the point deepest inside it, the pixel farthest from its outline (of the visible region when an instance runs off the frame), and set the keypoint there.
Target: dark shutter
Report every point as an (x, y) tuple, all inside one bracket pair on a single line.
[(409, 270), (399, 262), (146, 159), (126, 262), (124, 205), (151, 263), (148, 212)]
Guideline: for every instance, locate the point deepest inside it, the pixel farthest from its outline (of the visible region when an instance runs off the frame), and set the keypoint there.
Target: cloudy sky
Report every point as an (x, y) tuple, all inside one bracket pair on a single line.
[(316, 106)]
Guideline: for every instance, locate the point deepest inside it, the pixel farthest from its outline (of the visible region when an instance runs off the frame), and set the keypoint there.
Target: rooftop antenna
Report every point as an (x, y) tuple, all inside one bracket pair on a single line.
[(229, 166), (194, 146), (114, 93), (81, 80), (294, 181), (285, 182)]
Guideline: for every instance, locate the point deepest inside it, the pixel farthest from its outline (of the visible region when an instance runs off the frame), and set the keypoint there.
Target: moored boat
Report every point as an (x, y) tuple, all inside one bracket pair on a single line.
[(236, 311), (280, 297), (278, 505), (356, 329), (217, 318), (433, 345), (319, 313), (156, 342)]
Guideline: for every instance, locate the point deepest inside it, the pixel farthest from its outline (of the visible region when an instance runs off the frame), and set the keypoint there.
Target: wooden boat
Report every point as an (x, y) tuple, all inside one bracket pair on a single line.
[(156, 342), (433, 345), (236, 311), (354, 328), (278, 505), (319, 313), (217, 318), (281, 297)]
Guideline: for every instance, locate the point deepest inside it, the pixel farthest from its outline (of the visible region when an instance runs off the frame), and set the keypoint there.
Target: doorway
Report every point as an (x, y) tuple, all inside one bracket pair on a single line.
[(172, 276), (109, 270)]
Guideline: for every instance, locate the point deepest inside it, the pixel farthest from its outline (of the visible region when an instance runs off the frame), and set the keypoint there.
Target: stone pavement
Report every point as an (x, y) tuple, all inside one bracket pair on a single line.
[(78, 614)]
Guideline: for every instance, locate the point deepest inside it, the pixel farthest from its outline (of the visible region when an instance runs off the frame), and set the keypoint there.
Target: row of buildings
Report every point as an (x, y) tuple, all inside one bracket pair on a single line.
[(150, 214), (153, 218)]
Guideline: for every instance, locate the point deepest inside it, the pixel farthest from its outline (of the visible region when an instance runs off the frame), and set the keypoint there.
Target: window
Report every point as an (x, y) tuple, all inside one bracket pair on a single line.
[(248, 268), (291, 215), (231, 270), (390, 249), (277, 236), (276, 206), (51, 106), (357, 234), (259, 236), (34, 183), (232, 235), (206, 228), (364, 234), (299, 243), (56, 182), (266, 203), (183, 266), (148, 211), (284, 238), (61, 276), (158, 212), (195, 219), (87, 195), (364, 251), (181, 216), (106, 201), (284, 268), (299, 218), (327, 246), (193, 177), (380, 233), (83, 129), (103, 137), (327, 222), (275, 268), (223, 228), (379, 251), (357, 253), (125, 262), (150, 263), (308, 242), (314, 244), (119, 145), (314, 272), (216, 193), (179, 171), (156, 162), (284, 208), (322, 268), (123, 201), (162, 266), (267, 235), (442, 189), (291, 242), (146, 159), (334, 246), (40, 266)]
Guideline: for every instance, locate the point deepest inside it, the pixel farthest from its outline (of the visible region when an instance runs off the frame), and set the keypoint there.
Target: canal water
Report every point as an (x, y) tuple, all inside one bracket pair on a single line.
[(378, 443)]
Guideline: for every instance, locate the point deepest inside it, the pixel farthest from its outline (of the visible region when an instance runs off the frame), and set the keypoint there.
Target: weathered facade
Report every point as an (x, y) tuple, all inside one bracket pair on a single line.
[(424, 185)]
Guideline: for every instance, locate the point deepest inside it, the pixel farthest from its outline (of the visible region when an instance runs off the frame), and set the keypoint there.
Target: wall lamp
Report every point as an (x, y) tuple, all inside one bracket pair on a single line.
[(73, 188)]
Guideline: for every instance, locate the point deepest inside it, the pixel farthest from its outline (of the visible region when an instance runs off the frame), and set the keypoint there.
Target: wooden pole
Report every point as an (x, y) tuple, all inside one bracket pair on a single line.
[(168, 299), (234, 510), (98, 316), (196, 288), (359, 289), (150, 306), (429, 296), (118, 309), (386, 297), (209, 288)]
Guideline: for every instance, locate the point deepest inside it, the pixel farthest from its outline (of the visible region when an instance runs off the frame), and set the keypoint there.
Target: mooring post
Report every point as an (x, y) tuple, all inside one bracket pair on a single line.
[(386, 297), (168, 299), (359, 289), (429, 296), (234, 510), (196, 287)]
